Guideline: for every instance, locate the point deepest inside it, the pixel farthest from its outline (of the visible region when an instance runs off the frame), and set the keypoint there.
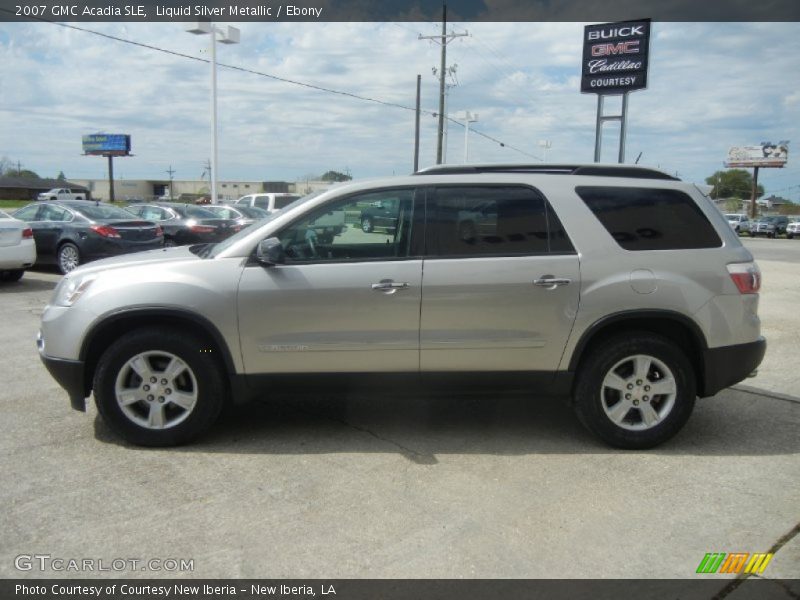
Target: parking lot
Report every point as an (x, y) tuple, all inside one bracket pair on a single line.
[(397, 487)]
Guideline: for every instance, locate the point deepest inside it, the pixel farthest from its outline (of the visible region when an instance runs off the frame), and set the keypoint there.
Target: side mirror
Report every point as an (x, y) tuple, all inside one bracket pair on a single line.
[(270, 252)]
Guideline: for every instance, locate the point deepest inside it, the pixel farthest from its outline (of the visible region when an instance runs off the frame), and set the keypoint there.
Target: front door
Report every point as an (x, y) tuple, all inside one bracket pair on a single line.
[(345, 304)]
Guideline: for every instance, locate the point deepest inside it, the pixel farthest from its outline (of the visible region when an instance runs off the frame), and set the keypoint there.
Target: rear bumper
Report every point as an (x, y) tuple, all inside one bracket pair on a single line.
[(728, 365), (19, 256)]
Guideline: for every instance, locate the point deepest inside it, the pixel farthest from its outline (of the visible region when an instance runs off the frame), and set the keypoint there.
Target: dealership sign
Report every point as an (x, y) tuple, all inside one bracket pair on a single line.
[(766, 154), (107, 144), (615, 57)]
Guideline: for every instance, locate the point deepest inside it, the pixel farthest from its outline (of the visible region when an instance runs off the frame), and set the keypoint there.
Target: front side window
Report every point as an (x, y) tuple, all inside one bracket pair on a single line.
[(334, 232), (649, 218), (492, 221)]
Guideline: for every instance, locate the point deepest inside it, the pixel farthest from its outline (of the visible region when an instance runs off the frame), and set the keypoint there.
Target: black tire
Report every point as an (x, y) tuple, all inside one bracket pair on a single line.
[(11, 275), (66, 251), (203, 374), (169, 242), (591, 400), (789, 236), (366, 225)]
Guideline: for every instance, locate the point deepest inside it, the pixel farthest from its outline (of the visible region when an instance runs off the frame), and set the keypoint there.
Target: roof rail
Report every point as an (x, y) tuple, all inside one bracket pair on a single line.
[(596, 170)]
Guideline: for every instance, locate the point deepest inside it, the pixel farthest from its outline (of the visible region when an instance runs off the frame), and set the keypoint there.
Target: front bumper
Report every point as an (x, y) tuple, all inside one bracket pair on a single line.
[(728, 365), (69, 374)]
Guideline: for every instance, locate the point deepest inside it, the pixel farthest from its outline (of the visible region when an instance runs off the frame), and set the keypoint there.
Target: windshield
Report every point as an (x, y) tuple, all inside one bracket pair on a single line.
[(225, 212), (253, 212), (195, 212), (214, 250), (104, 211)]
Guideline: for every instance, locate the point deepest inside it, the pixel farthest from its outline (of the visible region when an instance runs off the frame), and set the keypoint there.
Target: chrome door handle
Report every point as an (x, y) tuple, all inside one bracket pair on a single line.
[(387, 286), (550, 282)]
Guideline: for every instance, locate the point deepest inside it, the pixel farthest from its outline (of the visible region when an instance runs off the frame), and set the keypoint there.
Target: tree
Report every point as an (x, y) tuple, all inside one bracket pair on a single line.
[(61, 176), (335, 176), (5, 166), (733, 183), (25, 174)]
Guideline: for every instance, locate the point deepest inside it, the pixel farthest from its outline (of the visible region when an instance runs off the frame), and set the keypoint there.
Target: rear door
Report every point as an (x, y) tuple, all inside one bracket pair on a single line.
[(501, 281), (49, 227)]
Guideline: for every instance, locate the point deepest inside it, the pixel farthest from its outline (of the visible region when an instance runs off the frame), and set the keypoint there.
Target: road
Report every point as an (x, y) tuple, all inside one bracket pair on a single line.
[(369, 486)]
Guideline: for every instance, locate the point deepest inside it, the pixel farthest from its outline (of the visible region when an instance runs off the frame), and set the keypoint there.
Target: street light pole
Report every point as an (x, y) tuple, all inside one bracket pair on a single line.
[(546, 144), (468, 118), (228, 35)]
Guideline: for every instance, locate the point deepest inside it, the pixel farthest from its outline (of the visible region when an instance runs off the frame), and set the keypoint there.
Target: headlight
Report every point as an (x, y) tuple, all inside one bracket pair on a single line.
[(70, 289)]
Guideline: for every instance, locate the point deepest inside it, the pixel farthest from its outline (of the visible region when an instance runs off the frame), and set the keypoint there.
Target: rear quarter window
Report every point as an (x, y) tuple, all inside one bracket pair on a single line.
[(650, 219)]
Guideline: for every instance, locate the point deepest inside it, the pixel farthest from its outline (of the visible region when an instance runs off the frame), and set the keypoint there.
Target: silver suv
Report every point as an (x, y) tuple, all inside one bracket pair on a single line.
[(619, 287)]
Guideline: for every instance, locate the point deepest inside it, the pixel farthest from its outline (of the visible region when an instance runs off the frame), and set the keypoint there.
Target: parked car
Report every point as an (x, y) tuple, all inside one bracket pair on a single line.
[(62, 194), (769, 226), (739, 223), (17, 248), (270, 202), (186, 223), (793, 228), (569, 293), (243, 215), (380, 214), (69, 233)]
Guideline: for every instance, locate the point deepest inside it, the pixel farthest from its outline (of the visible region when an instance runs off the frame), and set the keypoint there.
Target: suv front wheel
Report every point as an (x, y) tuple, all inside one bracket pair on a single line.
[(159, 388), (635, 391)]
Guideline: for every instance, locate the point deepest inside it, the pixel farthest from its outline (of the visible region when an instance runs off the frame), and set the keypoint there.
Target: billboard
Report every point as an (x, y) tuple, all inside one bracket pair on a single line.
[(615, 57), (765, 154), (107, 144)]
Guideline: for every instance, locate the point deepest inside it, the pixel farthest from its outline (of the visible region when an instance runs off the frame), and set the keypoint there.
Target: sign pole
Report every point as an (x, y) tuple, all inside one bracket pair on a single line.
[(755, 192), (110, 177), (623, 128), (598, 135)]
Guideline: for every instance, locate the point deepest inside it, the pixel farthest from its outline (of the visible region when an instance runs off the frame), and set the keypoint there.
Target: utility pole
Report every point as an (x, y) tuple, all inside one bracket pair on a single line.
[(170, 172), (19, 168), (442, 40)]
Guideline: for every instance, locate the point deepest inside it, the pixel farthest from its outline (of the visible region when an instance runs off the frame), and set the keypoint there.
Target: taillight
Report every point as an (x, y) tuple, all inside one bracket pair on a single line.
[(746, 276), (202, 228), (27, 233), (159, 231), (105, 231)]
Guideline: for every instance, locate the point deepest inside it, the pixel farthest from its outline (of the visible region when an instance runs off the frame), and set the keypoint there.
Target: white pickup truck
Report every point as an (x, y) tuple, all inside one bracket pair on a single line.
[(62, 194)]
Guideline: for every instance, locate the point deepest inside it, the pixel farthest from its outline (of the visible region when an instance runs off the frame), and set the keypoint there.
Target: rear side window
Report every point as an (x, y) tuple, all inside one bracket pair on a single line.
[(493, 221), (650, 219), (284, 201)]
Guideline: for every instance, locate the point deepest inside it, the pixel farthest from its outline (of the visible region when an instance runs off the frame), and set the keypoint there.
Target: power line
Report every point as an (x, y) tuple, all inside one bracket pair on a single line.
[(269, 76)]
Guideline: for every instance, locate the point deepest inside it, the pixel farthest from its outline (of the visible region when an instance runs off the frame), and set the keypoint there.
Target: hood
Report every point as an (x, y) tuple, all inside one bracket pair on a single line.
[(136, 259)]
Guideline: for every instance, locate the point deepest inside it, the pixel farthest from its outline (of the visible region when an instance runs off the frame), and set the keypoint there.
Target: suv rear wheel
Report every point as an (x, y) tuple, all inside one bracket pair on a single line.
[(157, 388), (635, 390)]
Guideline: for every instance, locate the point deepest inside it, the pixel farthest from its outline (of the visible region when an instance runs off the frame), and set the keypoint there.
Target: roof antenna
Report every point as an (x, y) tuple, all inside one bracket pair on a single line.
[(636, 162)]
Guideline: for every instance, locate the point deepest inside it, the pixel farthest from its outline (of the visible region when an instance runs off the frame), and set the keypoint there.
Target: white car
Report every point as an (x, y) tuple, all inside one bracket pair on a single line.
[(269, 201), (17, 248), (62, 194), (793, 228), (739, 223)]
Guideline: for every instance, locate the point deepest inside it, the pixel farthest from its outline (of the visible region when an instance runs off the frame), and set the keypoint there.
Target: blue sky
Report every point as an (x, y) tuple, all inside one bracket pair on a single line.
[(711, 86)]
